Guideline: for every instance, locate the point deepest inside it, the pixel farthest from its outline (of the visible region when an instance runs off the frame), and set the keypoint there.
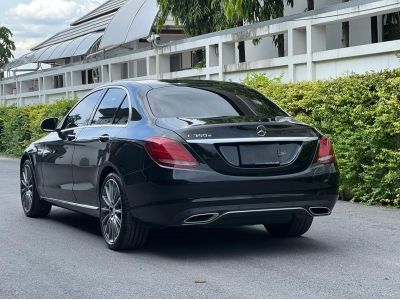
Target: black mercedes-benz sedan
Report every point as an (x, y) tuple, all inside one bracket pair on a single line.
[(149, 154)]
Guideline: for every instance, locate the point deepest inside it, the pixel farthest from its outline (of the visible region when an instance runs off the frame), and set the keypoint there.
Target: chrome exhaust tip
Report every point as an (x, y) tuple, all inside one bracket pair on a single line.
[(319, 211), (201, 219)]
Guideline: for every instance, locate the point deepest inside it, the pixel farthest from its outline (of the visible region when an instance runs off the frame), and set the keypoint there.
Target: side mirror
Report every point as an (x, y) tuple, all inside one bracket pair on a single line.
[(49, 125)]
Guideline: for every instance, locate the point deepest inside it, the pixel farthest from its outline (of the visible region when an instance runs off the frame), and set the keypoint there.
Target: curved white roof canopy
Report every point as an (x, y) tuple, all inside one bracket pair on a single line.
[(80, 45), (75, 47), (132, 22)]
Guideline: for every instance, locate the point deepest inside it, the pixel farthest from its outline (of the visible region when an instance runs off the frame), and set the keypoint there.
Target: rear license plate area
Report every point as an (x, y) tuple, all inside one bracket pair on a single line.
[(266, 154)]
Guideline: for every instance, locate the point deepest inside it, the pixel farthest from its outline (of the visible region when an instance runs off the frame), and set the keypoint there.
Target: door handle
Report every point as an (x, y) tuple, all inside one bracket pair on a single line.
[(71, 136), (104, 138)]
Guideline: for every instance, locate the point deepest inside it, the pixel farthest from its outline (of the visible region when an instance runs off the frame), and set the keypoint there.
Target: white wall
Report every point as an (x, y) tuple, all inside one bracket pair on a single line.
[(340, 67)]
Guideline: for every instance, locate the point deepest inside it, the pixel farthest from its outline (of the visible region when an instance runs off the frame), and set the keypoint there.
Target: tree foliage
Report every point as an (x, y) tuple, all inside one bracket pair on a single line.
[(196, 16), (20, 126), (252, 11), (203, 16), (7, 46)]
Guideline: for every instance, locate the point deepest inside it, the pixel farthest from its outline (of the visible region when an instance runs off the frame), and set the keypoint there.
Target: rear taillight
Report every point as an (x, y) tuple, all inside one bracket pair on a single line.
[(326, 154), (170, 153)]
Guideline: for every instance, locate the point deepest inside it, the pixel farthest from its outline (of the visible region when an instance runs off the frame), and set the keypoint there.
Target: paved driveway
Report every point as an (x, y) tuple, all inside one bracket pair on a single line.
[(353, 253)]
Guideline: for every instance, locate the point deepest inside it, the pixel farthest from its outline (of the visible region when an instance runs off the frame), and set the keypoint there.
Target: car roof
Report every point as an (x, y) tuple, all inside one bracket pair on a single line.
[(153, 84)]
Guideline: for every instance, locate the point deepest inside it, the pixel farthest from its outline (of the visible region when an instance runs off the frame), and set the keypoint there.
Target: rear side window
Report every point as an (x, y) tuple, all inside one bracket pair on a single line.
[(109, 106), (209, 101), (81, 113)]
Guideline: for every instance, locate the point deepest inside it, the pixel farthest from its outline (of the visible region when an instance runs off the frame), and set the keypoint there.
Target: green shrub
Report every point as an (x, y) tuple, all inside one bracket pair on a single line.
[(361, 115), (19, 126)]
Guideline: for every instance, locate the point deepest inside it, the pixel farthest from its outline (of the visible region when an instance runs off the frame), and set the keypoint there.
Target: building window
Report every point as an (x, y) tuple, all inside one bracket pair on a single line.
[(391, 27), (90, 76), (58, 81), (175, 62), (124, 71), (83, 74), (198, 58), (374, 30)]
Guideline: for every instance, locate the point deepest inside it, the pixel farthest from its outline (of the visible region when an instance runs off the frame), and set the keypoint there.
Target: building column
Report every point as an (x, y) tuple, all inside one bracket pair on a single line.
[(297, 44), (148, 65), (40, 89), (65, 82), (151, 62), (316, 41), (291, 45), (211, 59), (19, 89), (2, 95), (162, 65), (226, 56)]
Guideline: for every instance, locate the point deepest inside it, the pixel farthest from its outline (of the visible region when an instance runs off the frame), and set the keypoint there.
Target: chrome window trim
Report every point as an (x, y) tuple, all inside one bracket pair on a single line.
[(253, 139), (102, 125), (76, 104)]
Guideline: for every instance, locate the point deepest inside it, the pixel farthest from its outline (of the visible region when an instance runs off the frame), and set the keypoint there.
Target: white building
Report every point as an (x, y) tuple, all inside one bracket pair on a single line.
[(110, 43)]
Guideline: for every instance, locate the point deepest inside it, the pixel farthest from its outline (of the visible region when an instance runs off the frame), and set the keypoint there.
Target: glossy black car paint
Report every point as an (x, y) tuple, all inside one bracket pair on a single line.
[(69, 167)]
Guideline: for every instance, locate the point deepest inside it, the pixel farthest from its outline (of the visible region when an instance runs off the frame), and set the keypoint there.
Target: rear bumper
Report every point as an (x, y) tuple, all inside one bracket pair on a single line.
[(166, 197)]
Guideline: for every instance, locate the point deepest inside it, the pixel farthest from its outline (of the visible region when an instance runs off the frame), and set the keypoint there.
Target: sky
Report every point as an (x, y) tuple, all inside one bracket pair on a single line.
[(33, 21)]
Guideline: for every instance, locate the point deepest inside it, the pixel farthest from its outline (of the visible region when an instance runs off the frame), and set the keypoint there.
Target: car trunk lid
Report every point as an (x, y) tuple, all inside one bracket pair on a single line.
[(248, 145)]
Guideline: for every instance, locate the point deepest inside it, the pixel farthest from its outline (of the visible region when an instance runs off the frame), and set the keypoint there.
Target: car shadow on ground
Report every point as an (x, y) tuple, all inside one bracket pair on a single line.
[(192, 242), (196, 242)]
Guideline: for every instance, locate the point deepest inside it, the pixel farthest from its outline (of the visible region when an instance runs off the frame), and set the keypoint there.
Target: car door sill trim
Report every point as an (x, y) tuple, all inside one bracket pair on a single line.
[(57, 201)]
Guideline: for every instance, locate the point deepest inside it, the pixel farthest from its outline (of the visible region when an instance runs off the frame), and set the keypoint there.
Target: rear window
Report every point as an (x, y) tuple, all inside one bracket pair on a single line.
[(194, 102)]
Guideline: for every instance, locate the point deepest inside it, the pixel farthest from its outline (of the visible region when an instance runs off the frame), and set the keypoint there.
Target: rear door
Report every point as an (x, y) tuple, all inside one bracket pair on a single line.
[(93, 145)]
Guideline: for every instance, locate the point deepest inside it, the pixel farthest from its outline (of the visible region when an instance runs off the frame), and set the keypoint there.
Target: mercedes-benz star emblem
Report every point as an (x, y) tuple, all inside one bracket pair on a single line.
[(261, 130)]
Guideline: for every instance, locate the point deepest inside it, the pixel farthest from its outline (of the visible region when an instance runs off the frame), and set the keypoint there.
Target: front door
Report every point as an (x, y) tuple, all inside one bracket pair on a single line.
[(56, 165), (59, 149)]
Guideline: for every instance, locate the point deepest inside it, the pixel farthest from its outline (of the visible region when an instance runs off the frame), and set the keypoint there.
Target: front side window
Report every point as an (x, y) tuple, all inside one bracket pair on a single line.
[(109, 106), (80, 115)]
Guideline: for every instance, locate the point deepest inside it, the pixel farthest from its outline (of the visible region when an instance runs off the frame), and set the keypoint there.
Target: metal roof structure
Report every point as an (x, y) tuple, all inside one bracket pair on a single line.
[(132, 22), (78, 46), (106, 8), (94, 25), (116, 22), (122, 20)]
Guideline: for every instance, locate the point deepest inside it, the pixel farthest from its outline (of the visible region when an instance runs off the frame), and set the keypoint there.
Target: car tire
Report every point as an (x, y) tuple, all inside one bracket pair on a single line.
[(119, 228), (33, 206), (296, 227)]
